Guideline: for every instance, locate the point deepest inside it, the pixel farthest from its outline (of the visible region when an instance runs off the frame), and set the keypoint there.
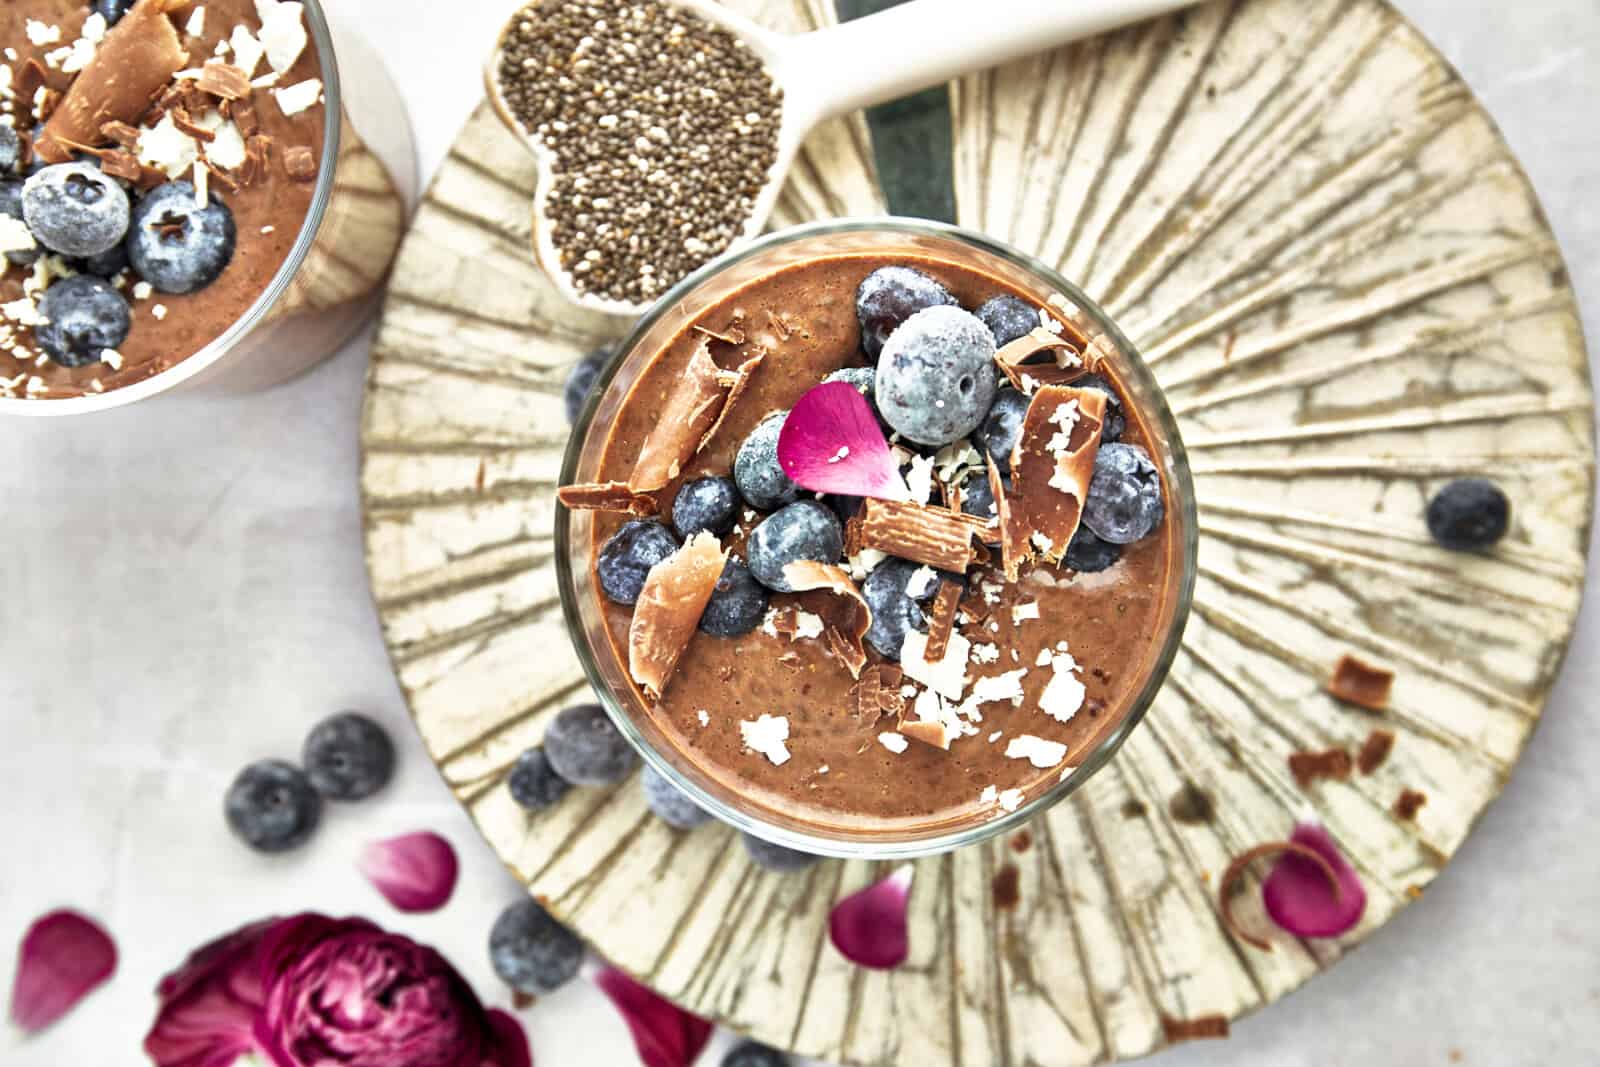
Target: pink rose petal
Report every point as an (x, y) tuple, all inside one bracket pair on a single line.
[(1297, 894), (209, 1005), (831, 443), (64, 956), (415, 872), (512, 1043), (664, 1034), (869, 927)]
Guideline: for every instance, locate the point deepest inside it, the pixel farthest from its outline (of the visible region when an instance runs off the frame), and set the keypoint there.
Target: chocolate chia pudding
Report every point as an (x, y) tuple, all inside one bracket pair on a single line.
[(158, 162), (884, 542)]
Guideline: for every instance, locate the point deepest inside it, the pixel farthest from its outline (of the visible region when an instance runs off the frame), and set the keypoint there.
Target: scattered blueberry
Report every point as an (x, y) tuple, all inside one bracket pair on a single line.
[(894, 612), (1090, 555), (11, 204), (775, 857), (75, 210), (802, 530), (531, 952), (585, 747), (84, 317), (534, 783), (754, 1054), (671, 804), (1001, 429), (625, 559), (737, 603), (113, 10), (175, 245), (705, 504), (1469, 514), (888, 297), (760, 478), (10, 150), (976, 496), (272, 806), (846, 507), (1008, 318), (582, 378), (348, 757), (936, 376), (1116, 420), (108, 264), (1124, 502), (863, 378)]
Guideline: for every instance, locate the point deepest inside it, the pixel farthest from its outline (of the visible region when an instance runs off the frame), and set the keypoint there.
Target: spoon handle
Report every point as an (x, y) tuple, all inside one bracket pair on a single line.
[(927, 42)]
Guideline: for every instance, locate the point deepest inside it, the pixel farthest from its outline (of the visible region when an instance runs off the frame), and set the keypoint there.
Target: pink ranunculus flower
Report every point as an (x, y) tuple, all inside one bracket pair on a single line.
[(310, 991)]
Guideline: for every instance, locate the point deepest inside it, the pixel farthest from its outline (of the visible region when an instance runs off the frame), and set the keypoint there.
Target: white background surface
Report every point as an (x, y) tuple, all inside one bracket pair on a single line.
[(182, 591)]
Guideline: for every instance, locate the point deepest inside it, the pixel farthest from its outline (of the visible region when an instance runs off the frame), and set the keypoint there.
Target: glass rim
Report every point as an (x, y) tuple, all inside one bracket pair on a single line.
[(223, 343), (1182, 495)]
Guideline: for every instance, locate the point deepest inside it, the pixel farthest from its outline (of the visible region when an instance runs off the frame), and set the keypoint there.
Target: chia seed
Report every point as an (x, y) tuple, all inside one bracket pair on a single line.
[(663, 129)]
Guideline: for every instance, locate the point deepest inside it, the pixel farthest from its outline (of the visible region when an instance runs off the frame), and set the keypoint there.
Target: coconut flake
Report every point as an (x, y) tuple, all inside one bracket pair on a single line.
[(1064, 694), (922, 582), (894, 742), (167, 148), (299, 97), (15, 235), (1038, 751), (920, 479), (1011, 799), (948, 677), (196, 26), (767, 735), (831, 443), (247, 50), (283, 32)]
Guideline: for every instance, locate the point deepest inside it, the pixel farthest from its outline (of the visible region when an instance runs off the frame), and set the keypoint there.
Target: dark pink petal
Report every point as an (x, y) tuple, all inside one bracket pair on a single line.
[(210, 1004), (831, 443), (869, 927), (664, 1034), (511, 1043), (415, 872), (64, 956), (1298, 896)]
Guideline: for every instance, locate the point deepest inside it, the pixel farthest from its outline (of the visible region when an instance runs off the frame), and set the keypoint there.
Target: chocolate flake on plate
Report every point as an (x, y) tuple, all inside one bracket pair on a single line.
[(1041, 357), (674, 597), (828, 591), (1308, 767), (607, 496), (1357, 682), (1374, 751), (1053, 463), (1236, 869), (1408, 803), (938, 537), (942, 619), (1206, 1027)]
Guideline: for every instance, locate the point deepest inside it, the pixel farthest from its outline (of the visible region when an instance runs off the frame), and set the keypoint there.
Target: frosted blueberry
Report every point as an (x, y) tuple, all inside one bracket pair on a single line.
[(348, 757), (84, 317), (11, 204), (775, 857), (534, 784), (863, 378), (936, 376), (177, 246), (705, 504), (75, 210), (894, 612), (671, 804), (1116, 421), (1008, 318), (10, 150), (756, 470), (532, 952), (625, 559), (1002, 428), (888, 297), (1469, 514), (800, 531), (1090, 555), (272, 806), (737, 603), (585, 747), (976, 496), (1124, 503), (754, 1054), (582, 378), (113, 10), (108, 264)]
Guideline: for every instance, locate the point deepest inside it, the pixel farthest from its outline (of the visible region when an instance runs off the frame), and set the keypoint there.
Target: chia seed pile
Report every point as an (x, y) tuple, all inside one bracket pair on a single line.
[(663, 128)]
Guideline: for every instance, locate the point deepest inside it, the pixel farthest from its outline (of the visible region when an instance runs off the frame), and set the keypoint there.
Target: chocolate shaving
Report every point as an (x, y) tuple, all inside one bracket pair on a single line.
[(48, 102), (1237, 868), (828, 591), (1206, 1027), (852, 536), (122, 164), (224, 80), (1049, 485), (1357, 682), (938, 537), (668, 612), (257, 154), (1013, 528), (221, 177), (121, 133), (137, 58), (1374, 751), (736, 382), (1308, 767), (942, 622), (243, 114), (1408, 803), (607, 496), (691, 411), (30, 80), (877, 694), (730, 335), (785, 621), (935, 734), (1041, 356), (300, 163), (185, 122)]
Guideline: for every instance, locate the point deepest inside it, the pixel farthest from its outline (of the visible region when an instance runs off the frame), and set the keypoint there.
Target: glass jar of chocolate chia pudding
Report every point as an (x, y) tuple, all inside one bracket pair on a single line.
[(878, 538), (193, 193)]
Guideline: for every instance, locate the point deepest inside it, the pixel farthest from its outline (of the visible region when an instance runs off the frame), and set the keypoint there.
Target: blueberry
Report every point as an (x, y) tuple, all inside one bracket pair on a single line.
[(1008, 318), (272, 806), (1124, 502), (1469, 514), (75, 210), (112, 10), (10, 150), (1088, 554), (754, 1054), (532, 952), (894, 612), (775, 857), (1116, 421), (705, 504), (976, 496), (802, 530), (1001, 429), (177, 246), (737, 603), (846, 507), (671, 804), (534, 783), (760, 479), (582, 378), (11, 204), (85, 316), (348, 757), (585, 747), (626, 558), (108, 264), (863, 378), (888, 297), (936, 376)]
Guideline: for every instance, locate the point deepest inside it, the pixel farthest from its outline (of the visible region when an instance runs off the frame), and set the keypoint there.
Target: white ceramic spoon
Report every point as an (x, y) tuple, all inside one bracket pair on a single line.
[(858, 64)]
